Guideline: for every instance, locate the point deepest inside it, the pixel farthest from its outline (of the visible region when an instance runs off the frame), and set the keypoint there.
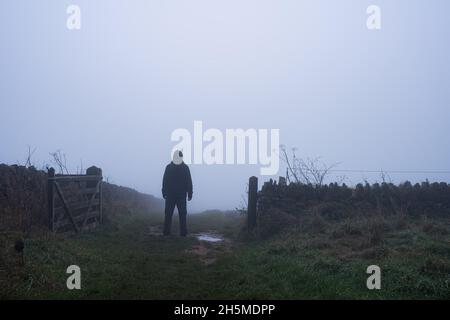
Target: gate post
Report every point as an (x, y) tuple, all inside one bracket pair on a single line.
[(252, 199), (50, 198), (94, 171)]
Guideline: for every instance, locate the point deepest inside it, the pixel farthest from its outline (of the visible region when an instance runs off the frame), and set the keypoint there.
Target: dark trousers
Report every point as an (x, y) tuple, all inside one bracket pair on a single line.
[(171, 202)]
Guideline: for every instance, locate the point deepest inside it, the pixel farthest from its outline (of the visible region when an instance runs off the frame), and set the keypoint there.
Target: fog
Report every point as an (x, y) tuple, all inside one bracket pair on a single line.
[(112, 93)]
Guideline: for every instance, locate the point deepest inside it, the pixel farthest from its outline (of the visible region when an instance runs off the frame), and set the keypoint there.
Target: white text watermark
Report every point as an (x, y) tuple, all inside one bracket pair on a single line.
[(231, 147)]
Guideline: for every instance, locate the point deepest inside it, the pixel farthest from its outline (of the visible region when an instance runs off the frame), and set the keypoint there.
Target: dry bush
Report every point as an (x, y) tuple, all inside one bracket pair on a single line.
[(375, 229), (305, 170), (399, 221), (318, 224), (436, 266), (369, 230), (274, 221), (434, 229), (348, 228), (332, 210), (23, 197), (372, 253)]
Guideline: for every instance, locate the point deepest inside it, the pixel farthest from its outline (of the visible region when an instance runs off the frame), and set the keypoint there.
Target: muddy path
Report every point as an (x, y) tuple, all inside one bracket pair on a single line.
[(209, 245)]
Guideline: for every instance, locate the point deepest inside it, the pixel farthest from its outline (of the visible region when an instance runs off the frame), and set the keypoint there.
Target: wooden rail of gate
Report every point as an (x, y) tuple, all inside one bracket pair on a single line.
[(74, 201)]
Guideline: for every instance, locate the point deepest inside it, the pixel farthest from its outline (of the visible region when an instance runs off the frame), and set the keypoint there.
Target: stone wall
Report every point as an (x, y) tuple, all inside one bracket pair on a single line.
[(387, 198)]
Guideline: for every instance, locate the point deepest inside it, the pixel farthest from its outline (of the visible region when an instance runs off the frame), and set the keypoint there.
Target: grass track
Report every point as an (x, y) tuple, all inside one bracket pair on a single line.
[(121, 260)]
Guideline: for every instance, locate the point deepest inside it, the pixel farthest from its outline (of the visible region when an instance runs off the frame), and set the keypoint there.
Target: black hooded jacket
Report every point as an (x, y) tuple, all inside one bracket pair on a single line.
[(177, 181)]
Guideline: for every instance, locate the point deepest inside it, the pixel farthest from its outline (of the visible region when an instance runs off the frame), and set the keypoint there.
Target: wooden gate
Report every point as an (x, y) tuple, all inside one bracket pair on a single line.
[(74, 201)]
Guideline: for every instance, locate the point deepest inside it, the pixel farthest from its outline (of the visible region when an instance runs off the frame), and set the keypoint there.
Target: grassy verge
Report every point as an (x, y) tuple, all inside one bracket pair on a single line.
[(320, 259), (331, 263)]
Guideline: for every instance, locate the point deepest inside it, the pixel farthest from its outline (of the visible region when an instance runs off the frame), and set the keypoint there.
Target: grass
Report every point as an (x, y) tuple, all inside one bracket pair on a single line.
[(318, 260)]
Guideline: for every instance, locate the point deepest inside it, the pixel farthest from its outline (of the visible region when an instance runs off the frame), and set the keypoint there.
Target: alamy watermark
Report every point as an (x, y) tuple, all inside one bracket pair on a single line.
[(73, 21), (374, 17), (374, 280), (74, 280), (231, 147)]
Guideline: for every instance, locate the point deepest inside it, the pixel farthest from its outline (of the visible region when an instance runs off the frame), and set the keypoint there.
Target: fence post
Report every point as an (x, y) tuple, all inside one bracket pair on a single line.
[(252, 199), (94, 171), (50, 198), (100, 196)]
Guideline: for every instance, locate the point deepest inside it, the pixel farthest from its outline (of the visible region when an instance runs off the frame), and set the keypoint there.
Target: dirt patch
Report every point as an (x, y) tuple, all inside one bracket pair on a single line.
[(155, 230), (204, 254), (210, 246)]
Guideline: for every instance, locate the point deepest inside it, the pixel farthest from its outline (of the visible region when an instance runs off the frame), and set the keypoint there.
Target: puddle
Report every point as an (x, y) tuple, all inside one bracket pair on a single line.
[(209, 237), (211, 245)]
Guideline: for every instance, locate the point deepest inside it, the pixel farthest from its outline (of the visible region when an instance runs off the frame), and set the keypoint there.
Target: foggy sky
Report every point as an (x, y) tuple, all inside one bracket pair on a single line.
[(111, 93)]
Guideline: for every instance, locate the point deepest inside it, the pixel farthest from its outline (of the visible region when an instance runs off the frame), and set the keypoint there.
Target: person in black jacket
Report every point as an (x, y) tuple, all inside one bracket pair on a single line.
[(177, 184)]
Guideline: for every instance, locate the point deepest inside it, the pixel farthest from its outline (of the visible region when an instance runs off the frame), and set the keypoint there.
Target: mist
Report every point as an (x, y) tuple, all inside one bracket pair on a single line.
[(112, 93)]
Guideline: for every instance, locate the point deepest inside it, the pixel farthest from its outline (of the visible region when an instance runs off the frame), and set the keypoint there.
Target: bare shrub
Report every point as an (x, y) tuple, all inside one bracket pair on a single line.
[(60, 161), (318, 224), (348, 228), (399, 221), (436, 266), (375, 237), (332, 210), (23, 195), (434, 229), (377, 252), (306, 171), (275, 221), (377, 227), (369, 229)]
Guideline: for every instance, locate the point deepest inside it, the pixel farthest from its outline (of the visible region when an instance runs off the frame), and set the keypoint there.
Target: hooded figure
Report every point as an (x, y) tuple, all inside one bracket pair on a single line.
[(177, 184)]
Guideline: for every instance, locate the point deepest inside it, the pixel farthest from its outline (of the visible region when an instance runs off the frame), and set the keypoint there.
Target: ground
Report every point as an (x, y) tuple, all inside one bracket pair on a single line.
[(127, 258)]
